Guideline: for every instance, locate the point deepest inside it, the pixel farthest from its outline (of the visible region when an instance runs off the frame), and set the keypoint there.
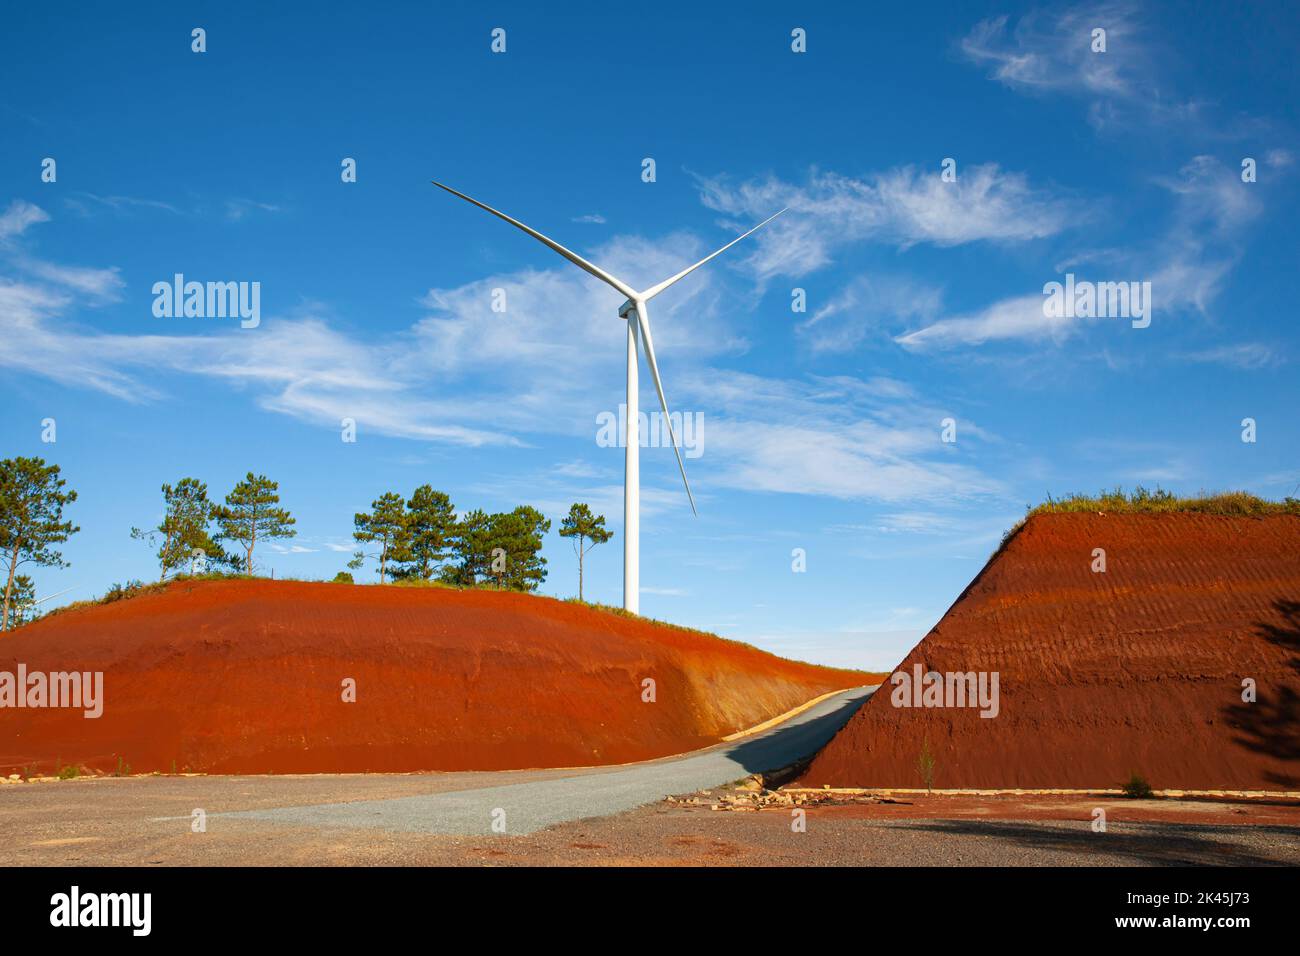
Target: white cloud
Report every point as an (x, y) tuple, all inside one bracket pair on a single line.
[(1053, 50), (20, 214), (98, 284), (466, 375), (237, 209), (901, 207), (1017, 318), (1050, 51), (834, 437), (1186, 265), (578, 469), (1246, 355), (867, 306), (292, 549), (116, 203)]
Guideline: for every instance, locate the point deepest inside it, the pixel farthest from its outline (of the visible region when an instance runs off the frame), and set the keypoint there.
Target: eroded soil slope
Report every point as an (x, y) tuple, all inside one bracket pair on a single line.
[(248, 676), (1139, 669)]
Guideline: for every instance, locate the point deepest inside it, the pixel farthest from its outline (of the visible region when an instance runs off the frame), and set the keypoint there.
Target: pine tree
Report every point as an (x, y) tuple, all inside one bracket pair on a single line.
[(385, 525), (251, 514), (183, 531), (23, 604), (516, 543), (580, 523), (31, 519), (431, 531), (472, 544)]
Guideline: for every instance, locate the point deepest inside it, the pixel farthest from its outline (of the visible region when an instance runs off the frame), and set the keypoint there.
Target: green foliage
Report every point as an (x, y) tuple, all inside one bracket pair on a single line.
[(582, 525), (343, 577), (120, 592), (1141, 501), (385, 525), (430, 530), (252, 513), (421, 583), (1138, 788), (925, 764), (134, 589), (69, 773), (502, 550), (472, 544), (517, 563), (22, 605), (182, 536), (32, 500), (123, 768), (1159, 501)]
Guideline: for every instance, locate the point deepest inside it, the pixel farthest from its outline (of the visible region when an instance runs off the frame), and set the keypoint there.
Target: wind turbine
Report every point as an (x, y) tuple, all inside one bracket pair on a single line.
[(637, 332)]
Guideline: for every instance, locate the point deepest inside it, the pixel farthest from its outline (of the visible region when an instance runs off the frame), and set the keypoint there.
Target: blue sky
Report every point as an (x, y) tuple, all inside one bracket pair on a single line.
[(822, 429)]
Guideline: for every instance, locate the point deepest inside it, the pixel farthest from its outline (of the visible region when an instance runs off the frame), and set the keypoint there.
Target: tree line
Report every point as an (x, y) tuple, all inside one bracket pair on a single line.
[(420, 538)]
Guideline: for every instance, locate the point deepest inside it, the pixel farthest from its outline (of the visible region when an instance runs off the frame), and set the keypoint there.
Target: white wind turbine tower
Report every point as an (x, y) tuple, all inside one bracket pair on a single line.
[(636, 331)]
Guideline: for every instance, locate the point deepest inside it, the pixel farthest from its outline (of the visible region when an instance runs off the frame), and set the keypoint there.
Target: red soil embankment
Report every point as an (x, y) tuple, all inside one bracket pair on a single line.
[(1102, 675), (247, 677)]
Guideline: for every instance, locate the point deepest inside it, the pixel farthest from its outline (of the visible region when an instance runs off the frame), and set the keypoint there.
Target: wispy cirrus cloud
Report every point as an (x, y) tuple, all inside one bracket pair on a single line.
[(239, 209), (1051, 51), (1186, 264), (85, 203), (1015, 318), (18, 217), (869, 306), (1242, 355), (839, 437), (100, 285), (900, 207)]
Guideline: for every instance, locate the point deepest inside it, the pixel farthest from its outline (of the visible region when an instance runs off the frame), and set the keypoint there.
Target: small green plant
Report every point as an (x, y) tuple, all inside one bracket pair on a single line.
[(344, 577), (173, 768), (1144, 501), (1137, 788), (69, 773), (120, 592), (123, 769), (925, 765)]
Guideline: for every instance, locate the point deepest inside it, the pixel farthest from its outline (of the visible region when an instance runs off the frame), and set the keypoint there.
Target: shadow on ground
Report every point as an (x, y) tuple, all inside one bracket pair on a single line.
[(797, 742), (1148, 844)]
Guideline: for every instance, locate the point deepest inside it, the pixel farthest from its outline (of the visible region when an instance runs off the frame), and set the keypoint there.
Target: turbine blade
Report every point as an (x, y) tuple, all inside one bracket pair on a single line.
[(656, 289), (643, 321), (51, 597), (573, 257)]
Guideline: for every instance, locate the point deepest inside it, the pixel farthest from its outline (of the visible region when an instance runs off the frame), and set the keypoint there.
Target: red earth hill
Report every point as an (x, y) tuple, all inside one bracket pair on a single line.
[(1103, 675), (242, 676)]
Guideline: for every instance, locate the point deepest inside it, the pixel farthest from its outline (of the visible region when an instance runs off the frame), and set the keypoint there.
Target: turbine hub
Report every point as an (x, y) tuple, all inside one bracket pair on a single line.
[(626, 309)]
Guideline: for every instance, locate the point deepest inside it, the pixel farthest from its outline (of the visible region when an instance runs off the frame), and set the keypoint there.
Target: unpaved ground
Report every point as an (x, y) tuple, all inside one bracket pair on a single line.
[(114, 821)]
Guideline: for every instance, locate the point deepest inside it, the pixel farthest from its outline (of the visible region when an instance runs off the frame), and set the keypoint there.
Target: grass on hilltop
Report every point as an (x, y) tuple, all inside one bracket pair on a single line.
[(136, 588), (1238, 504), (1159, 501)]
